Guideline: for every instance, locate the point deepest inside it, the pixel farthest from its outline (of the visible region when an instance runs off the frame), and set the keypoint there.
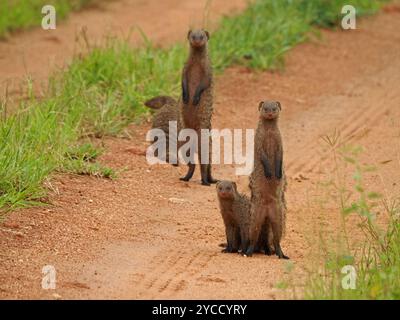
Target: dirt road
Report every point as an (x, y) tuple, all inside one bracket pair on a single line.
[(149, 235)]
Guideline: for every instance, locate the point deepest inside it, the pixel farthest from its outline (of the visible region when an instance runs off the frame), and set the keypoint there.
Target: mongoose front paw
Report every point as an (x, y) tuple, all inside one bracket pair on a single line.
[(284, 257), (196, 100), (205, 183), (185, 99), (184, 179)]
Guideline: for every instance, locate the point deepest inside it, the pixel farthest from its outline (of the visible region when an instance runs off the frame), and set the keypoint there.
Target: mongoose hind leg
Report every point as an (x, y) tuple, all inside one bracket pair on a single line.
[(258, 217), (209, 175), (205, 168), (190, 172), (276, 226), (204, 175), (266, 244)]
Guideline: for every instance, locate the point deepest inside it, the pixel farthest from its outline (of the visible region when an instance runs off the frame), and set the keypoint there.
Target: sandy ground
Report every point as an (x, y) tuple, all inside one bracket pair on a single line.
[(131, 238)]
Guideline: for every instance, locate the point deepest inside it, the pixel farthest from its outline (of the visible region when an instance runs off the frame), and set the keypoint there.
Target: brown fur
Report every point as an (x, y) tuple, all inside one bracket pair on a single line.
[(158, 102), (167, 110), (235, 212), (267, 181), (196, 104)]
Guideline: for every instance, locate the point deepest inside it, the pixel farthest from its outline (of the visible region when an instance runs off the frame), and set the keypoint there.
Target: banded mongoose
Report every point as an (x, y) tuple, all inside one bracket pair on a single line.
[(235, 211), (167, 110), (267, 180), (196, 103)]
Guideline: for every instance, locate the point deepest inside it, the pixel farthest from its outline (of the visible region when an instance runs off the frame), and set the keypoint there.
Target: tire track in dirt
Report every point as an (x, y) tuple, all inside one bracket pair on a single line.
[(351, 129), (177, 275)]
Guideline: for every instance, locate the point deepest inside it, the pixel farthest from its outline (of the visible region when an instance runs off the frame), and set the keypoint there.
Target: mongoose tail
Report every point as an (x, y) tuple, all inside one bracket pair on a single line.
[(158, 102)]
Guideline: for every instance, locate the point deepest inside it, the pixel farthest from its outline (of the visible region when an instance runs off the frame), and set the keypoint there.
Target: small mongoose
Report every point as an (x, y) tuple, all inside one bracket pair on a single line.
[(167, 110), (267, 180), (196, 103), (235, 211)]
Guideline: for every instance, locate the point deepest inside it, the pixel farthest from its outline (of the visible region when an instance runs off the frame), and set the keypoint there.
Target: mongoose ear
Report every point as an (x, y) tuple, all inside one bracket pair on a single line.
[(189, 32), (260, 105), (279, 105), (217, 184), (207, 34)]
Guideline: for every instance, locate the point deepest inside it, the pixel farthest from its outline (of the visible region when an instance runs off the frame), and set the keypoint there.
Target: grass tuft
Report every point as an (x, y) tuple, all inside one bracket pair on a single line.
[(375, 255), (21, 14)]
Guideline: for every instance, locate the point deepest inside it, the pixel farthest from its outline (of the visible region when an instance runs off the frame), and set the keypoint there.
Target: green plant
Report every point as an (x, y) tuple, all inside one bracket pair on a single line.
[(376, 254), (19, 14)]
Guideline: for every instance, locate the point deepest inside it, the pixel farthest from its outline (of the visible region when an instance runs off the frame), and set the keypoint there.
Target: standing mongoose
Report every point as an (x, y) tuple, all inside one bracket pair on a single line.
[(196, 104), (167, 110), (235, 211), (267, 180)]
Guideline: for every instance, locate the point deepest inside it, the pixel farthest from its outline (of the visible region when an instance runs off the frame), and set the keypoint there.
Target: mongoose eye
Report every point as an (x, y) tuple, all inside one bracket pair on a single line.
[(201, 37)]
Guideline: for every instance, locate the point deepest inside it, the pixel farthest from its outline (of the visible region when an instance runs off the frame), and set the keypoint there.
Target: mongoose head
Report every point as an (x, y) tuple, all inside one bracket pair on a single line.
[(269, 110), (226, 189), (198, 38)]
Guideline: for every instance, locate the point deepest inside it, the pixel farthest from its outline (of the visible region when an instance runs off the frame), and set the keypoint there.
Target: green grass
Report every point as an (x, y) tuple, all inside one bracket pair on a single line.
[(375, 257), (21, 14), (102, 92)]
